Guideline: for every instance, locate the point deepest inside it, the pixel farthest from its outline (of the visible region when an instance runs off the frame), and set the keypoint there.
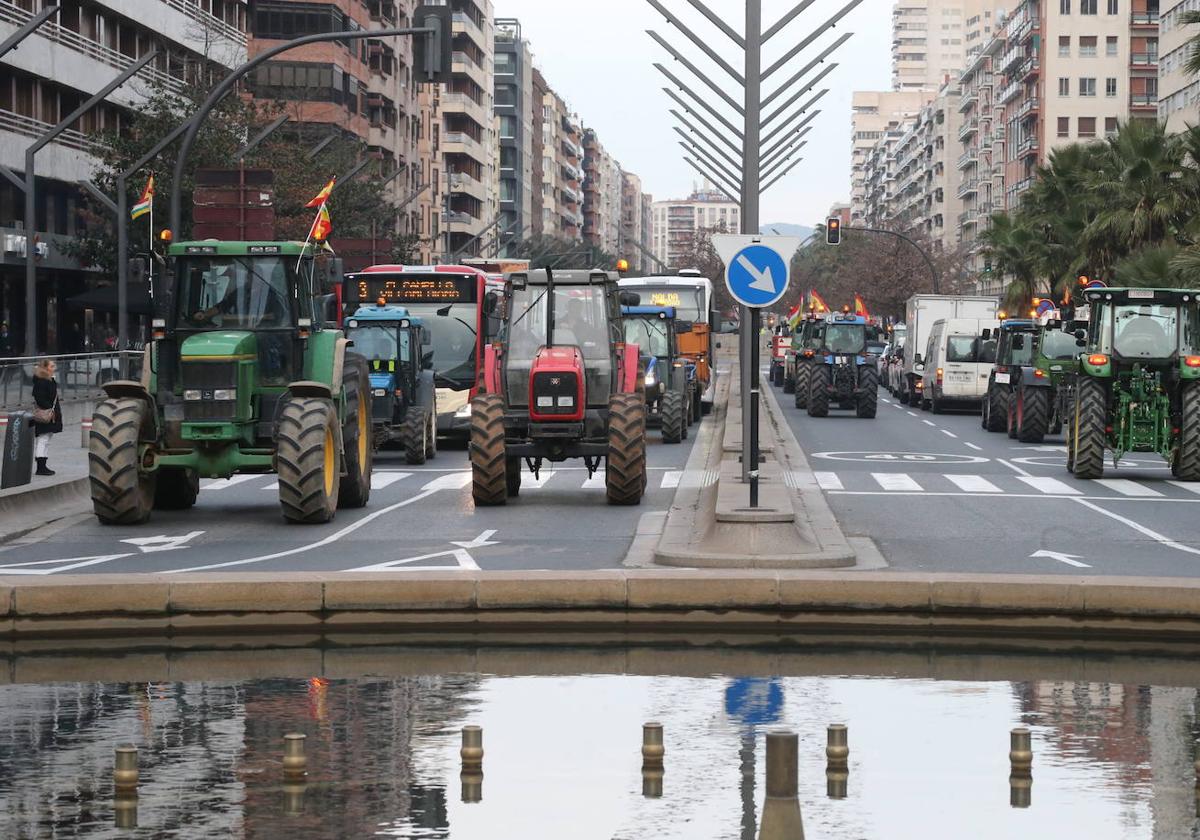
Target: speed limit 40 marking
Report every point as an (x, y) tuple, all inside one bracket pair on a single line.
[(903, 457)]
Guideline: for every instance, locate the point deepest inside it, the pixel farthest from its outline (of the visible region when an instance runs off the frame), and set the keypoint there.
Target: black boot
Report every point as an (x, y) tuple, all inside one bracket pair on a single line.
[(42, 469)]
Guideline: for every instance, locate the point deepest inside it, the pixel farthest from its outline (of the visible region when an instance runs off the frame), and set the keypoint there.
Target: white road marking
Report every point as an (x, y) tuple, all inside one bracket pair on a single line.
[(1051, 486), (528, 482), (70, 563), (1069, 559), (1013, 467), (1190, 486), (911, 413), (1141, 529), (453, 481), (162, 542), (225, 483), (671, 479), (948, 434), (1126, 487), (973, 446), (596, 482), (482, 540), (462, 557), (380, 480), (929, 423), (828, 481), (896, 481), (973, 483)]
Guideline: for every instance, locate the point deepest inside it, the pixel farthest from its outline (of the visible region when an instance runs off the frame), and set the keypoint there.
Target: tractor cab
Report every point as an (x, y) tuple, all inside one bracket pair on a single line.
[(844, 372), (399, 353), (669, 378)]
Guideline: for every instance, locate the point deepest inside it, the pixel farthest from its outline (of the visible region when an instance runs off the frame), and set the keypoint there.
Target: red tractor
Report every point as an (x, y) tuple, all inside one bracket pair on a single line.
[(560, 383)]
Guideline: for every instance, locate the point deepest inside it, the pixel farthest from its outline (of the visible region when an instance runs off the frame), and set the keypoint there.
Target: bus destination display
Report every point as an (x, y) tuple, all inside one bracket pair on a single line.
[(393, 289)]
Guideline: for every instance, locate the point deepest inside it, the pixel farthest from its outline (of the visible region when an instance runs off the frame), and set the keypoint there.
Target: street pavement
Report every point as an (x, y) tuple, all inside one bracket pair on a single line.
[(937, 493)]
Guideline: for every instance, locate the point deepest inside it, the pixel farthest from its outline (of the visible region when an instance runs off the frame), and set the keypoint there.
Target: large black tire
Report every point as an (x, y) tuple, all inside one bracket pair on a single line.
[(625, 476), (789, 382), (121, 494), (489, 463), (358, 451), (431, 439), (995, 409), (818, 391), (308, 459), (671, 410), (1010, 414), (1033, 414), (867, 402), (1091, 415), (936, 405), (414, 434), (1187, 459), (176, 488), (512, 476), (803, 377)]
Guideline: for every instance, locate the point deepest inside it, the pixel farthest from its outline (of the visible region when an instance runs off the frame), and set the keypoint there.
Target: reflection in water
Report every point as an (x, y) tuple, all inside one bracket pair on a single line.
[(563, 758)]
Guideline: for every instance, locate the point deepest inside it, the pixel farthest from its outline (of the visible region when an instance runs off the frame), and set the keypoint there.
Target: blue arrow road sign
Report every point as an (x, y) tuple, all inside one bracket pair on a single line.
[(757, 276)]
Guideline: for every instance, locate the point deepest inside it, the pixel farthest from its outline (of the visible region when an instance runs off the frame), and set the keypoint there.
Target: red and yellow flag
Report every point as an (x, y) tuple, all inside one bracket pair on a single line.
[(322, 225), (860, 308), (816, 303), (323, 196), (145, 203)]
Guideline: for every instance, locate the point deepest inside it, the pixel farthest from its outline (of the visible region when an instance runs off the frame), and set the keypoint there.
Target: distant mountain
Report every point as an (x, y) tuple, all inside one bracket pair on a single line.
[(782, 229)]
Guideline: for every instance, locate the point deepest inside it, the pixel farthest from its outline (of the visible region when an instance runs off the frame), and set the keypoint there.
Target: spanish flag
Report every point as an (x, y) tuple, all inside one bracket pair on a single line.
[(322, 196), (144, 203), (816, 303), (322, 225), (860, 308)]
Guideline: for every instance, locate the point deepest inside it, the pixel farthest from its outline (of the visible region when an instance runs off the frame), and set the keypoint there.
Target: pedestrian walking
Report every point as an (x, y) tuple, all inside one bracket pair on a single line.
[(47, 414), (6, 343)]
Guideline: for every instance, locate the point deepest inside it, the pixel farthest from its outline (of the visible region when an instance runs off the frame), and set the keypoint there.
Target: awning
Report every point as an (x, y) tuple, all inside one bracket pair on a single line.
[(104, 299)]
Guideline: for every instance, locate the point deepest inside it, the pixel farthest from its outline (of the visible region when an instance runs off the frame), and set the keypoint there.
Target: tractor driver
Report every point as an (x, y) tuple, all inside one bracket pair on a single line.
[(1142, 335), (249, 300), (578, 329)]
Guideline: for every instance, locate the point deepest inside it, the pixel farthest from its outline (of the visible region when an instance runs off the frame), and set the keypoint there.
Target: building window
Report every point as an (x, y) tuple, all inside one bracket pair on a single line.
[(1112, 7), (1087, 127), (1064, 7), (1087, 7), (1064, 86), (1110, 87), (1087, 46), (1064, 126), (1064, 46), (1110, 126), (1110, 45), (1087, 87)]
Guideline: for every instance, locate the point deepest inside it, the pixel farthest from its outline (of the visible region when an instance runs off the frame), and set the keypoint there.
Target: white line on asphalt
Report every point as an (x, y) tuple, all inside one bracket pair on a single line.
[(956, 494), (596, 482), (1190, 486), (896, 482), (973, 483), (1069, 559), (453, 481), (71, 563), (1050, 486), (911, 413), (1141, 529), (332, 538), (379, 480), (1013, 467), (1126, 487), (223, 483), (671, 479), (929, 423), (973, 446), (828, 481), (948, 434)]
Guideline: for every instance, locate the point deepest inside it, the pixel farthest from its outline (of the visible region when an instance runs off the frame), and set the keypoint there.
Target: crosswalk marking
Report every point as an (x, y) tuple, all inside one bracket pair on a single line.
[(671, 478), (528, 482), (1051, 486), (223, 483), (1190, 486), (596, 482), (379, 480), (828, 481), (973, 484), (896, 481), (1126, 487)]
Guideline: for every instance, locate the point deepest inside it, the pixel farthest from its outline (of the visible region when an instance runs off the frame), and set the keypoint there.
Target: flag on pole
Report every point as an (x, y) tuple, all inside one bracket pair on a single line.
[(816, 303), (145, 203), (323, 196), (860, 308), (322, 225)]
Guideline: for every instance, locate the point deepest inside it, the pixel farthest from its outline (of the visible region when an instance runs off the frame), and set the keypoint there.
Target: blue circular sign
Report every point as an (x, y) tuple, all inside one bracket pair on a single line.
[(757, 276)]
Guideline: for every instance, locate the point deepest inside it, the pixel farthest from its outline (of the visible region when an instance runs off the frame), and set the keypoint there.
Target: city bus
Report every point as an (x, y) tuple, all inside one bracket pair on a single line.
[(691, 294), (450, 301)]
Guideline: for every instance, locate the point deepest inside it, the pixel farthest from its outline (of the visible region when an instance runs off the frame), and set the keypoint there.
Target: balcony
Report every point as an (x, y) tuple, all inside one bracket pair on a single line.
[(969, 98), (461, 103), (968, 128), (461, 22), (1029, 146), (1143, 60), (1029, 68), (968, 187), (1028, 107), (1143, 101), (1144, 19), (1009, 93), (461, 182), (456, 142), (1010, 58), (968, 217), (968, 158), (464, 64)]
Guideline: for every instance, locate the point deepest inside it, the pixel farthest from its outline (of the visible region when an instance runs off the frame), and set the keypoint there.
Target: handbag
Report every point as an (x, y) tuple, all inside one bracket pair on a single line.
[(43, 416)]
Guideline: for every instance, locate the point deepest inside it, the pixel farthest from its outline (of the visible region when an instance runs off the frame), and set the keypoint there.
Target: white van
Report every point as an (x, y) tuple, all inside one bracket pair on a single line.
[(958, 362)]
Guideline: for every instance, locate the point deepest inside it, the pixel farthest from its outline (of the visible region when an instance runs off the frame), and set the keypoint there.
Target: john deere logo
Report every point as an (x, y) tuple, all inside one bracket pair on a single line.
[(556, 380)]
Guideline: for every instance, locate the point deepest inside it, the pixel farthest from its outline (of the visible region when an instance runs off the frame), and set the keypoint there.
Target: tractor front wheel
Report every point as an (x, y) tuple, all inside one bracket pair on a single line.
[(1033, 415), (672, 417), (625, 476), (176, 488), (308, 459), (789, 381), (357, 449), (512, 476), (489, 465), (414, 433), (1091, 410), (803, 375), (818, 391), (866, 404), (121, 493), (1187, 459)]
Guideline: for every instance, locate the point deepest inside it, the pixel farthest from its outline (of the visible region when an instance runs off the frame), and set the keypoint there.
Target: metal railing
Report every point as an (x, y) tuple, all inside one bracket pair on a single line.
[(79, 376), (29, 127), (215, 24)]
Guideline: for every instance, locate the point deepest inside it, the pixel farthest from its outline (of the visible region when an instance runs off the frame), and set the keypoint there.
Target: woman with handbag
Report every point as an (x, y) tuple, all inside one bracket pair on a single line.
[(47, 415)]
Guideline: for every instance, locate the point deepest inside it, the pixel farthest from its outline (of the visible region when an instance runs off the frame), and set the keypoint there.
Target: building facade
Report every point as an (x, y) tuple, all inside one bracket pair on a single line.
[(676, 224), (562, 170), (635, 243), (931, 38), (514, 111), (1178, 90), (873, 114)]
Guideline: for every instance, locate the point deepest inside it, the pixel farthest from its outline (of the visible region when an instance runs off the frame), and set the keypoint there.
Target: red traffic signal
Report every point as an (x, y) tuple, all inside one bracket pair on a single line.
[(833, 231)]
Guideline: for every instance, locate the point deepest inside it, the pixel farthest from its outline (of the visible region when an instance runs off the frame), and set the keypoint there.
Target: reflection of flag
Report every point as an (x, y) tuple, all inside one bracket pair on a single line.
[(323, 196), (860, 308), (145, 202), (322, 225), (815, 302)]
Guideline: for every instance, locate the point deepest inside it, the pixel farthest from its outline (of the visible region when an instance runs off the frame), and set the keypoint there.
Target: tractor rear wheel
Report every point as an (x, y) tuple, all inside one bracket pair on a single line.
[(625, 476), (431, 441), (1187, 459), (414, 433), (789, 381), (358, 454), (672, 417), (818, 391), (803, 375), (867, 402), (1010, 414), (994, 410), (121, 493), (1033, 415), (176, 488), (309, 460), (489, 465), (1091, 410)]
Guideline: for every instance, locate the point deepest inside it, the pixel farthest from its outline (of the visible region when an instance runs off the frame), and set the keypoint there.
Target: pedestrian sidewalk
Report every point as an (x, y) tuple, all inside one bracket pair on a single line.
[(47, 498)]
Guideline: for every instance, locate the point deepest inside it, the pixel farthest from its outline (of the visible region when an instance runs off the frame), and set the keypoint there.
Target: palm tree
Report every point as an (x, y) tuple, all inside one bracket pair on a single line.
[(1014, 250), (1157, 267)]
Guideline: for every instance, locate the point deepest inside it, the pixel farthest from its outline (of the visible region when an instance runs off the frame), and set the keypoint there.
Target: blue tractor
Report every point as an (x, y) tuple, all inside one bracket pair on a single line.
[(843, 371), (670, 379), (399, 355)]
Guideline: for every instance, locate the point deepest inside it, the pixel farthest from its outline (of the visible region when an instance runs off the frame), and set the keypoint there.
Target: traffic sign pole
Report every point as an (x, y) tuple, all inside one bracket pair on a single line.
[(750, 225)]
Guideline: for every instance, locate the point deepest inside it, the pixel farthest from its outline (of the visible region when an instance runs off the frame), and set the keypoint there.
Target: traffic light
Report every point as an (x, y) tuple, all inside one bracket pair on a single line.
[(833, 231), (433, 52)]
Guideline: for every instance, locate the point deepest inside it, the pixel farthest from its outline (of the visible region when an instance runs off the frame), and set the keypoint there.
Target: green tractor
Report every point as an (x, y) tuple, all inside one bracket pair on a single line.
[(247, 372), (807, 339), (1043, 391), (1137, 388), (1014, 350)]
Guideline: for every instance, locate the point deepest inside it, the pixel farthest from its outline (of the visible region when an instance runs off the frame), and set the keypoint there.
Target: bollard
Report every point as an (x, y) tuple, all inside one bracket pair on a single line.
[(293, 797), (125, 810), (837, 756), (125, 785), (472, 764), (652, 760), (295, 763), (1020, 751), (1020, 791), (781, 818)]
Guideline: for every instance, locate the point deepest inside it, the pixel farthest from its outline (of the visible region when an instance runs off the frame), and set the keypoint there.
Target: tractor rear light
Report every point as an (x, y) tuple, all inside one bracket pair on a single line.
[(920, 384), (1108, 430), (808, 354), (191, 396), (1097, 359), (379, 392), (1039, 374), (1192, 361), (158, 328), (400, 393), (225, 394)]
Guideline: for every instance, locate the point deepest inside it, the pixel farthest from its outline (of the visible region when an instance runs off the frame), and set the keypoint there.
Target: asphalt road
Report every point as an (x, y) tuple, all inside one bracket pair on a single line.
[(418, 518), (938, 493)]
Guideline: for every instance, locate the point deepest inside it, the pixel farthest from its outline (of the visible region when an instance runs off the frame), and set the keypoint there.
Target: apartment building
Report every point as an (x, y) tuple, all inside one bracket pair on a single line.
[(1178, 91), (873, 114), (65, 61), (514, 110), (562, 169), (602, 191), (636, 213), (930, 39), (676, 224)]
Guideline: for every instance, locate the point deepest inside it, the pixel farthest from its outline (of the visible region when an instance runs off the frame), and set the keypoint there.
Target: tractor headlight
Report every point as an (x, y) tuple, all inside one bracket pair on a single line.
[(379, 392), (464, 411), (191, 396), (566, 402), (545, 402), (225, 394)]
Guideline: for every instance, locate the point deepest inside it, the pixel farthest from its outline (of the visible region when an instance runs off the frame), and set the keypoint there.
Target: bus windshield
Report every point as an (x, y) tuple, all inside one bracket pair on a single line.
[(687, 300), (452, 331)]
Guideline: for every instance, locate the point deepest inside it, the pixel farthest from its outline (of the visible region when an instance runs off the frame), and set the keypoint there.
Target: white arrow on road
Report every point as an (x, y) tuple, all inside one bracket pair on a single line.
[(460, 555), (1069, 559), (67, 564), (479, 542), (763, 281), (162, 542), (1040, 448)]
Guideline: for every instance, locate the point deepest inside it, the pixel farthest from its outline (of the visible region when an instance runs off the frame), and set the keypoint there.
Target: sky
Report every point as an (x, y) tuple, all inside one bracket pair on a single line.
[(597, 56)]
